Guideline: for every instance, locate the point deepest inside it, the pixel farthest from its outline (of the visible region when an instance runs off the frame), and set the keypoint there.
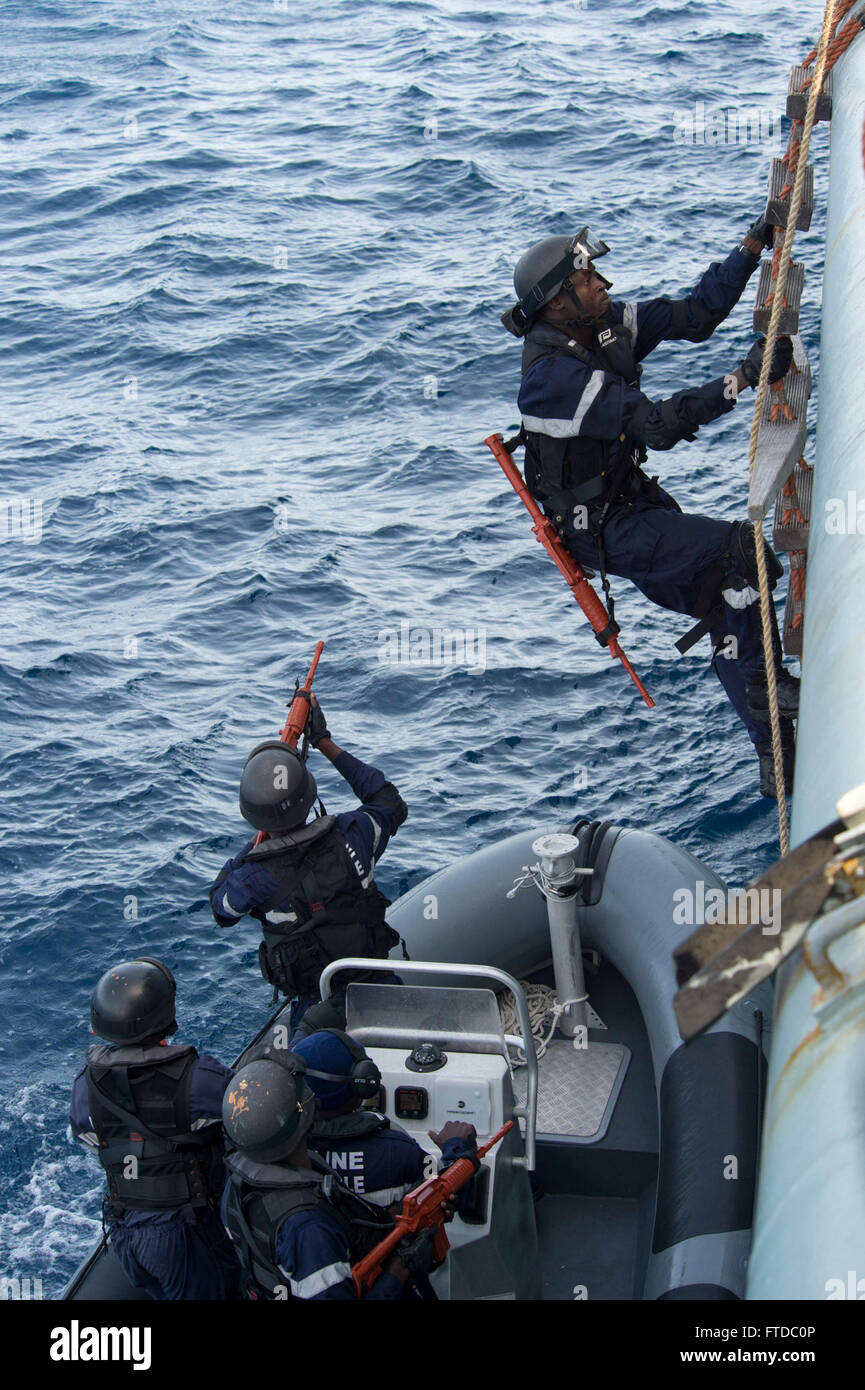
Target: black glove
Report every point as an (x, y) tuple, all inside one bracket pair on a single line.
[(762, 230), (781, 360), (316, 725), (417, 1254)]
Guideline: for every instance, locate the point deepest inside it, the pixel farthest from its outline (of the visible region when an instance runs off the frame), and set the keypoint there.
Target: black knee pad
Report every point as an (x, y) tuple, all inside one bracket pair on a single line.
[(743, 555)]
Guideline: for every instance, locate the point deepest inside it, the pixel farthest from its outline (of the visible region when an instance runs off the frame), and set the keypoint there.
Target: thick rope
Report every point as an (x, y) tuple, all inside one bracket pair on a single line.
[(544, 1013), (829, 21)]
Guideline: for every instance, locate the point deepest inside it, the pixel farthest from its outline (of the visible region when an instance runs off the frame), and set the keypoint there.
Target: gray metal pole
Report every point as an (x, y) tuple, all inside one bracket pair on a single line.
[(558, 872)]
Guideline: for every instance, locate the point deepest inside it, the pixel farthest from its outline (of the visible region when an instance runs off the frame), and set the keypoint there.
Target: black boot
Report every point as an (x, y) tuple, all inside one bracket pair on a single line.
[(767, 766), (757, 695)]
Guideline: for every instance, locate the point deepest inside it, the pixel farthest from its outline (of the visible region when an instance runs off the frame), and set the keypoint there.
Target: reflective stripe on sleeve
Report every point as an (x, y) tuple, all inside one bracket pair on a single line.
[(565, 429), (320, 1280)]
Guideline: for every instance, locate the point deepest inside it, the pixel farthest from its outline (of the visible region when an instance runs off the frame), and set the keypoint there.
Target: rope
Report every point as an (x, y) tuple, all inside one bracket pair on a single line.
[(543, 1005), (801, 160), (843, 9)]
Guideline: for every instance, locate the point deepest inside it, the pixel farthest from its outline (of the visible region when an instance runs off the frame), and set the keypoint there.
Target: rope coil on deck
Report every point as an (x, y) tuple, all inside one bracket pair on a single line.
[(543, 1005)]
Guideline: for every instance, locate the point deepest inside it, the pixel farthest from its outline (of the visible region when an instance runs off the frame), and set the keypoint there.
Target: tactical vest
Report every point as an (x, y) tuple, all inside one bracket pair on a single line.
[(564, 473), (139, 1105), (261, 1196), (335, 915)]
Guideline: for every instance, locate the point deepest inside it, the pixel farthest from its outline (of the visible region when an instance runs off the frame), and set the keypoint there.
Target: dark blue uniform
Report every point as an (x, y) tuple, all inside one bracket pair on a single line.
[(579, 416), (246, 886), (380, 1165), (374, 1158), (163, 1252)]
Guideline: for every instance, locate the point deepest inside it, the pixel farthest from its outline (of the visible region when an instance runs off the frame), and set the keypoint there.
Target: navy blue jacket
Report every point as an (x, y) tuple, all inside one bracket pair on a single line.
[(207, 1086), (311, 1247), (374, 1158), (366, 831), (566, 398)]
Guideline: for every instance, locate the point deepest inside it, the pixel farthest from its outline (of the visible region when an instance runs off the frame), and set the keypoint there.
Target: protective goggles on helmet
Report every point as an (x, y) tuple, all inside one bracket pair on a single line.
[(583, 249)]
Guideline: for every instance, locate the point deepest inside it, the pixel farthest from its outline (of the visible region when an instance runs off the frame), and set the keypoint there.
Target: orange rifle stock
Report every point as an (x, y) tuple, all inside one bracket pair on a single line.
[(298, 713), (421, 1209), (572, 570)]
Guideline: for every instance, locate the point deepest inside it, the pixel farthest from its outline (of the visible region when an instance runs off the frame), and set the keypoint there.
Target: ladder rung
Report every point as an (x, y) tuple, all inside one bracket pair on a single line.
[(780, 443), (790, 313), (793, 535), (794, 613), (797, 99), (778, 207)]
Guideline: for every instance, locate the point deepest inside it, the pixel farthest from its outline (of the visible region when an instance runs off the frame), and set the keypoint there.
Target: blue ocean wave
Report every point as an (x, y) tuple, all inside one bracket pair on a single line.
[(254, 265)]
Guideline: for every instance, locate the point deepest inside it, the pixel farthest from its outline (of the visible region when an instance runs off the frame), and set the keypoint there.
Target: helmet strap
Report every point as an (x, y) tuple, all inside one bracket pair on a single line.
[(581, 319)]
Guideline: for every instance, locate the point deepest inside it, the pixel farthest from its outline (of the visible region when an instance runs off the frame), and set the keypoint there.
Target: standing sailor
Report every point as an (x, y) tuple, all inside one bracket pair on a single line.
[(311, 886), (587, 427), (151, 1114)]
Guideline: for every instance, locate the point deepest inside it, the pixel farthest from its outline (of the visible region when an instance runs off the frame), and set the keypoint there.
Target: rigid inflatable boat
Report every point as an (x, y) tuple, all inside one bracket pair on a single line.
[(631, 1172)]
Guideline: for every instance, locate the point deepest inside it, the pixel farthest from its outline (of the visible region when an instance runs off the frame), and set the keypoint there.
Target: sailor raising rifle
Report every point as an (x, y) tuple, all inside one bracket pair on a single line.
[(310, 885)]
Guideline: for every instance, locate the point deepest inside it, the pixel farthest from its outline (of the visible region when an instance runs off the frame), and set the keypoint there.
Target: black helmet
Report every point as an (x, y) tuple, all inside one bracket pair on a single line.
[(134, 1001), (540, 273), (268, 1108), (276, 789)]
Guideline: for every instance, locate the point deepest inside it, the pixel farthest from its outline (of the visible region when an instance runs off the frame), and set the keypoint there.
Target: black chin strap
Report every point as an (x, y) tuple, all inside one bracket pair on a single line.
[(582, 319)]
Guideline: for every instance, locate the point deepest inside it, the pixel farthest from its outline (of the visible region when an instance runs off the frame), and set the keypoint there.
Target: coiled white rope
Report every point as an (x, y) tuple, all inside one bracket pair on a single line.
[(544, 1013)]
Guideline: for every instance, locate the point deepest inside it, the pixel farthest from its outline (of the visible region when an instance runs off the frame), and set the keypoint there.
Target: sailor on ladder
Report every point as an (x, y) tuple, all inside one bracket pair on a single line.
[(586, 427)]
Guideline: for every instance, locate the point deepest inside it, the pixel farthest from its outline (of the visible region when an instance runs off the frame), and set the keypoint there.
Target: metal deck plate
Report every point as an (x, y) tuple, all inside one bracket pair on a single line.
[(577, 1088)]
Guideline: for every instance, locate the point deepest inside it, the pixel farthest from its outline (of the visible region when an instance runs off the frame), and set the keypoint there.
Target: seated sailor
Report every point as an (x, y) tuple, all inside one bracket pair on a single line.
[(372, 1156), (297, 1228)]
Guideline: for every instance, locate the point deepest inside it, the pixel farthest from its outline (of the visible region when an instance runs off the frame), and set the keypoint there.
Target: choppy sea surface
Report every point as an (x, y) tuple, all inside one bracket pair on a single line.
[(254, 257)]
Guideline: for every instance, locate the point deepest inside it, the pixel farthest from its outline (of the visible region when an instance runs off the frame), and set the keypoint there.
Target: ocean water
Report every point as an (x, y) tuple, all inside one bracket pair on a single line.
[(253, 261)]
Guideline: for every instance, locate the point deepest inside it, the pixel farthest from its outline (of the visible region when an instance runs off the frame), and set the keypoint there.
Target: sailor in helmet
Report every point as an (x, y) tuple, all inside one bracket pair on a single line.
[(310, 885), (150, 1111), (372, 1156), (297, 1228), (587, 427)]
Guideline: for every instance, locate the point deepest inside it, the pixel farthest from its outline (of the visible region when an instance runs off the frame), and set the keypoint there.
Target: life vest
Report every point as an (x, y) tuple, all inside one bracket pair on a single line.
[(261, 1196), (328, 911), (564, 473), (139, 1105)]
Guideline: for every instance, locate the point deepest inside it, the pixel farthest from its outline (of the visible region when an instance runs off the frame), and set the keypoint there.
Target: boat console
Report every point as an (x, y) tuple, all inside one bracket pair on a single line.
[(442, 1055)]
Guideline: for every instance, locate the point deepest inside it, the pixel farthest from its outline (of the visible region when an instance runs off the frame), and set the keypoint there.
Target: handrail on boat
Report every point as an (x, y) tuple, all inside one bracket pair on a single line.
[(529, 1111)]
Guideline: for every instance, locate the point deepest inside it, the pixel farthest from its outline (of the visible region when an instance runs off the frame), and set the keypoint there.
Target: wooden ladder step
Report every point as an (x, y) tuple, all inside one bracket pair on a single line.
[(794, 613), (790, 313), (797, 98), (780, 442), (778, 207), (793, 511)]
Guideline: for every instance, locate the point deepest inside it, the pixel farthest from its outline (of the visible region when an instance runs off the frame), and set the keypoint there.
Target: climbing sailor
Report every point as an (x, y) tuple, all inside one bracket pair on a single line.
[(151, 1113), (310, 886), (587, 426), (372, 1156), (297, 1228)]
